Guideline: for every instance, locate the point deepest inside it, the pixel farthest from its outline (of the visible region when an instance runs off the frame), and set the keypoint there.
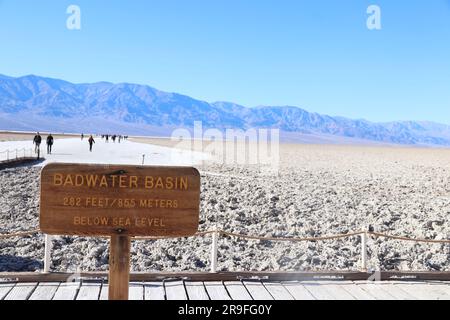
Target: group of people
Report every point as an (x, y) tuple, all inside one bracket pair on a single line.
[(38, 140), (113, 137)]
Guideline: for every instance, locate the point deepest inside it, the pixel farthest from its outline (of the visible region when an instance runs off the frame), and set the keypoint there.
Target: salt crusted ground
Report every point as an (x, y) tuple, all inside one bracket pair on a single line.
[(321, 190)]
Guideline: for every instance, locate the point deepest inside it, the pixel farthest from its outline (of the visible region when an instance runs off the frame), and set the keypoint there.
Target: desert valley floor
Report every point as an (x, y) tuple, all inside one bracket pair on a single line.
[(320, 190)]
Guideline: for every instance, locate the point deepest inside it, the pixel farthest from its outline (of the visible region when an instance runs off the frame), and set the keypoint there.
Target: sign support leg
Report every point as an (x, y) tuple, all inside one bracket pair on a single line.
[(48, 253), (119, 267)]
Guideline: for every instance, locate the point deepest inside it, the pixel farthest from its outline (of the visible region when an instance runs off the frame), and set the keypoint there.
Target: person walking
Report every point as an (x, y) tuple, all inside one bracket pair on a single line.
[(37, 142), (50, 141), (91, 142)]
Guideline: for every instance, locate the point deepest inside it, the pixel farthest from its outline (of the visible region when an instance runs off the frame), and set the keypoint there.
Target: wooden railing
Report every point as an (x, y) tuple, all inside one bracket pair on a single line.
[(16, 154), (215, 234)]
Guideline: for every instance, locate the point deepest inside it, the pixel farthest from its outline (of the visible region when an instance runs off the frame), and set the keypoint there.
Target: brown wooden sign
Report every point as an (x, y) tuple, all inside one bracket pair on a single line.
[(108, 200)]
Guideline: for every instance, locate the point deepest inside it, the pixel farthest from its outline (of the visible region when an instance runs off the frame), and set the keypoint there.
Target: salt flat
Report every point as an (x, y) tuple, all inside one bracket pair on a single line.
[(320, 190)]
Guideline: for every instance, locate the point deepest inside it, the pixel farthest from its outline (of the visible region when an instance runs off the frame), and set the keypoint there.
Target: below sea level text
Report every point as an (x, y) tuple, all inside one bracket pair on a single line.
[(118, 222)]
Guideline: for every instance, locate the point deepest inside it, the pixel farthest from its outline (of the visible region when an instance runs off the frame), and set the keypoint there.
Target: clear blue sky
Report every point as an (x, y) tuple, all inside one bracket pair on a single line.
[(314, 54)]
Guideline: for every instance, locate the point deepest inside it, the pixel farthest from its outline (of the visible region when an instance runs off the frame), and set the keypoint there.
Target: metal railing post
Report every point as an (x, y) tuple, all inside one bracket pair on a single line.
[(48, 253), (364, 251), (214, 248)]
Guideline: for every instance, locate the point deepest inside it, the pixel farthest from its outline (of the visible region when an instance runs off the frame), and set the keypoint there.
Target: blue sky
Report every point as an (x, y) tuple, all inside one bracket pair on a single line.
[(315, 54)]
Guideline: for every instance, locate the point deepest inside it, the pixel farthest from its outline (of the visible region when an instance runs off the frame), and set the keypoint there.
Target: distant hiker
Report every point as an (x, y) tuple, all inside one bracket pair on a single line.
[(37, 142), (91, 142), (50, 141)]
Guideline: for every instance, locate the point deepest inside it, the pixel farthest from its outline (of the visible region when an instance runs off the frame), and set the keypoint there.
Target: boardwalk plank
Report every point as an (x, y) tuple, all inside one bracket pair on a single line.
[(423, 291), (278, 291), (196, 291), (67, 291), (337, 290), (441, 291), (21, 291), (217, 291), (375, 290), (154, 291), (318, 290), (104, 292), (136, 291), (396, 291), (237, 291), (444, 287), (257, 290), (89, 291), (298, 291), (5, 288), (175, 291), (357, 292), (45, 291)]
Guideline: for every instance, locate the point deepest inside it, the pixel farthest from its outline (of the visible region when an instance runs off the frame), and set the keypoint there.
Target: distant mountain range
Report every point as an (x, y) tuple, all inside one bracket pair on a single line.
[(38, 103)]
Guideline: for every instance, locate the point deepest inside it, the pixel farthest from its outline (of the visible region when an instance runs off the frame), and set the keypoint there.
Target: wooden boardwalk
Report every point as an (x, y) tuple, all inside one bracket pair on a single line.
[(233, 290)]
